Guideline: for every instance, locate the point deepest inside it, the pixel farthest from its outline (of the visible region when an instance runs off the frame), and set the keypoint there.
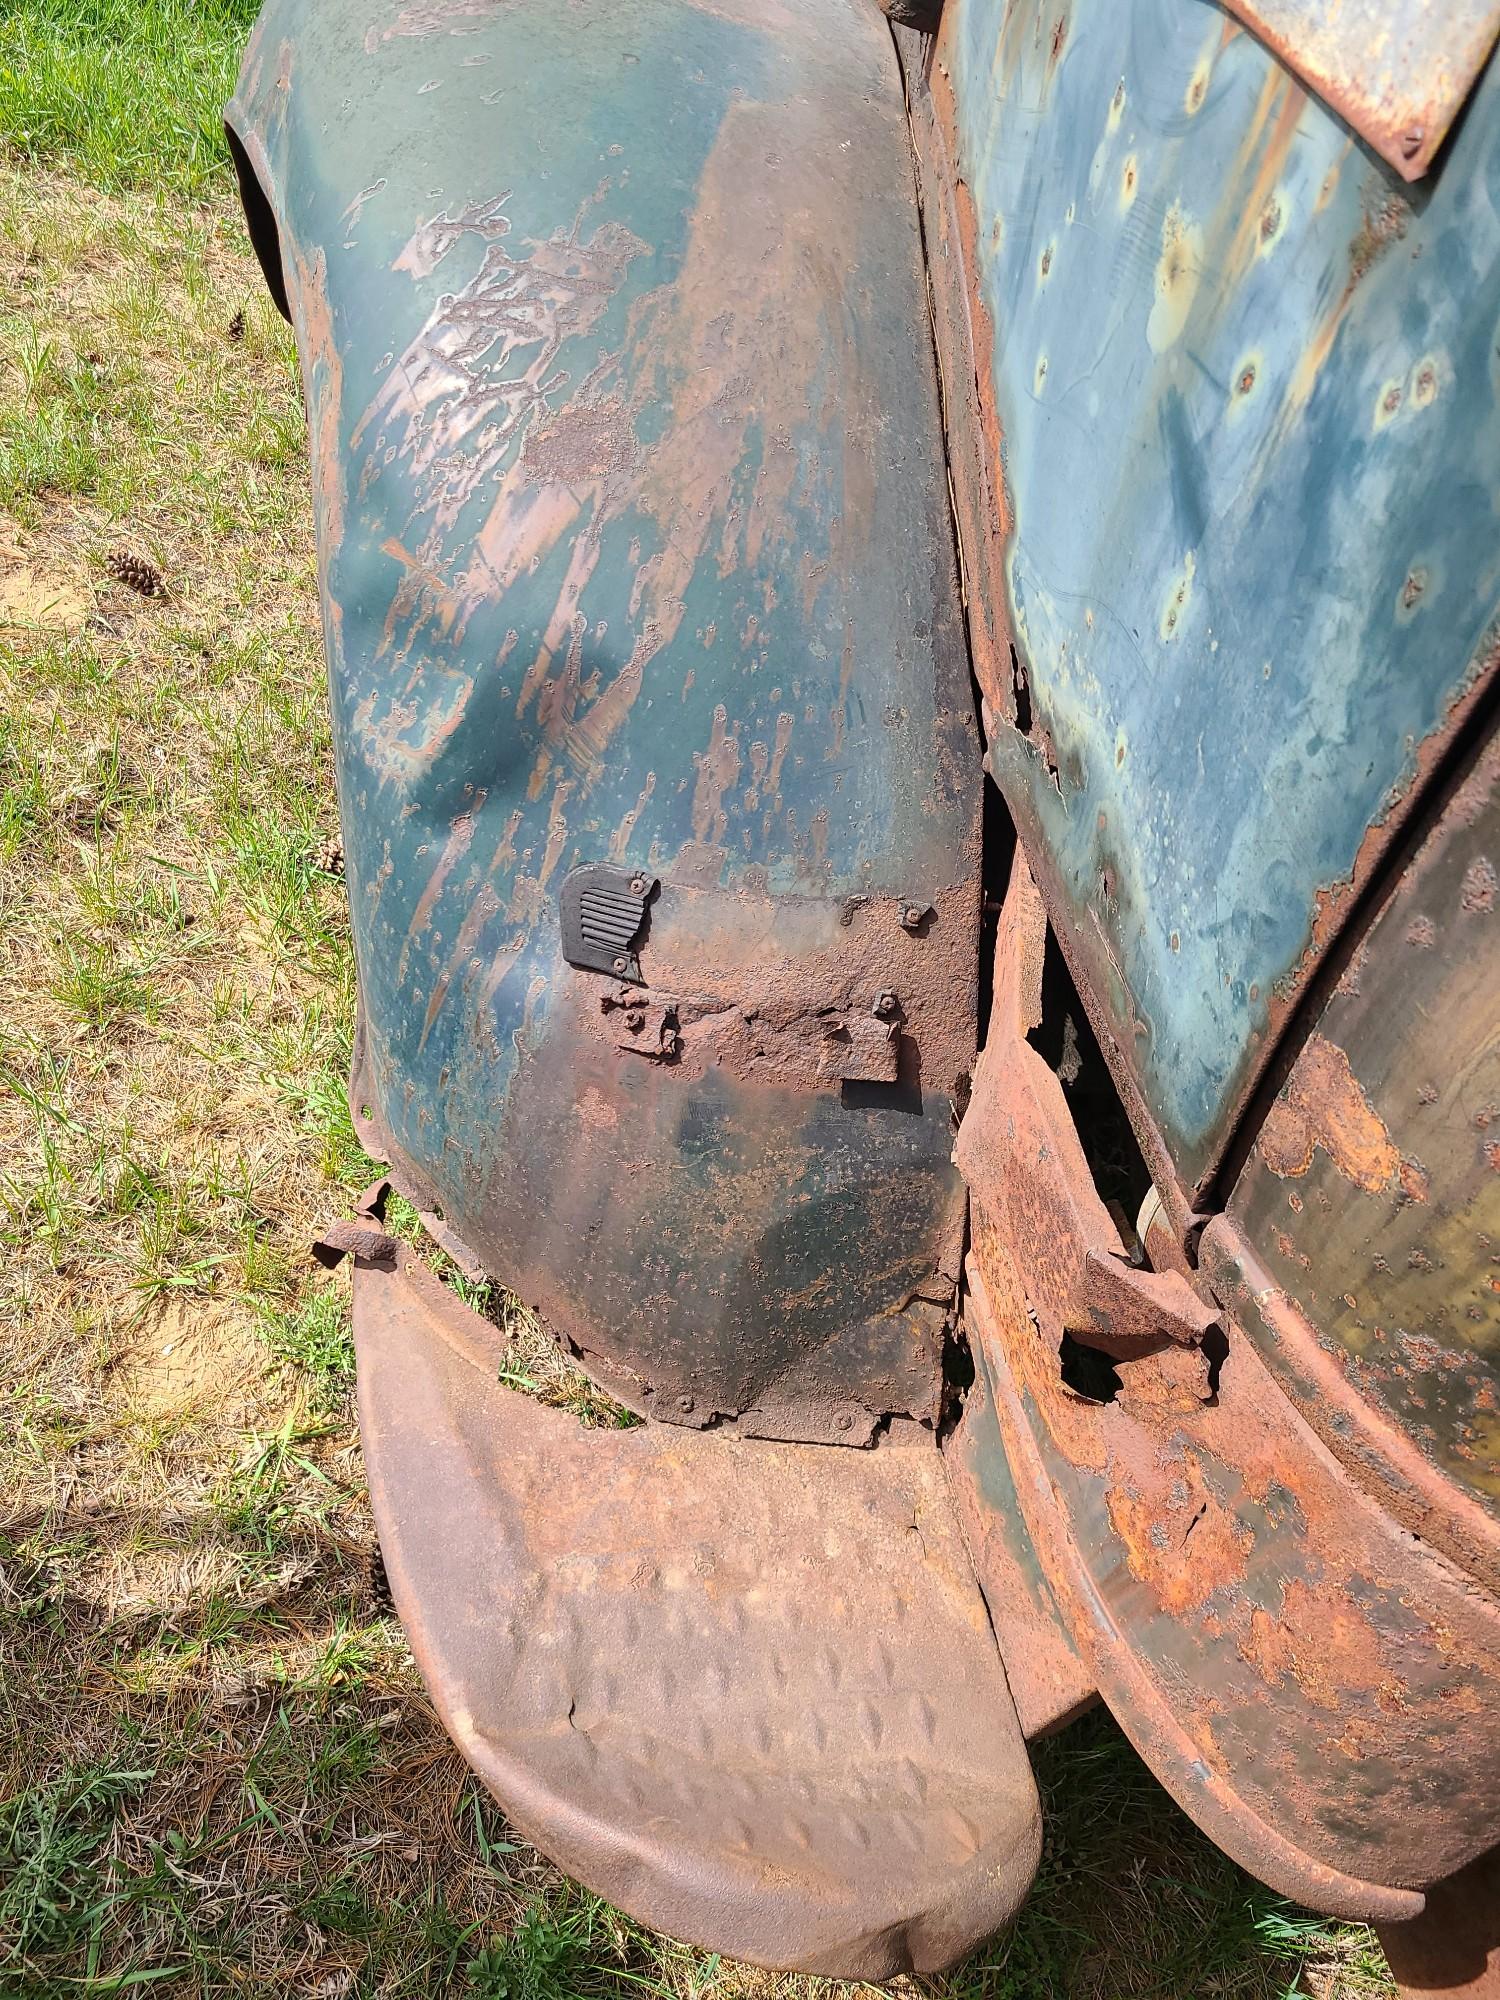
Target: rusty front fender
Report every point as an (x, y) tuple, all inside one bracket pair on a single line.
[(637, 567)]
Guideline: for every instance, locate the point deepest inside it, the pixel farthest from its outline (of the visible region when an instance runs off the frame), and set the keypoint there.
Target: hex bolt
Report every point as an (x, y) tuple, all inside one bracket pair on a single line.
[(886, 1004), (685, 1404)]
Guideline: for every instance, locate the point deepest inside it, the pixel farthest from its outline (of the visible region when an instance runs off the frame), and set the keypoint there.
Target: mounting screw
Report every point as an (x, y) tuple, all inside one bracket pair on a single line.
[(886, 1004), (685, 1404), (637, 885), (911, 917), (844, 1422), (621, 964), (635, 1021)]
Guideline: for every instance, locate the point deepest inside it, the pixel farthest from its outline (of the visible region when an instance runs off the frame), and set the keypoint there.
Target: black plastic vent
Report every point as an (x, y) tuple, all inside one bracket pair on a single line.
[(603, 916)]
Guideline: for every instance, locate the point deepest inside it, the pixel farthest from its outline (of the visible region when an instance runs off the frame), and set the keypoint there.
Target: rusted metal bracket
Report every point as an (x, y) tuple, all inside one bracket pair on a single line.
[(1398, 70), (826, 1046), (1020, 1153), (644, 1024), (361, 1236)]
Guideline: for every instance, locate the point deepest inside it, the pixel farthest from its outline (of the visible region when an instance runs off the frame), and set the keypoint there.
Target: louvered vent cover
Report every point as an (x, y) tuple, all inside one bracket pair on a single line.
[(603, 916)]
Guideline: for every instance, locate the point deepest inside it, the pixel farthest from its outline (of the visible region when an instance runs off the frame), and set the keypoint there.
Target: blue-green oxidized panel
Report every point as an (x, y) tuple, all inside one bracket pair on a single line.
[(1247, 388), (635, 550)]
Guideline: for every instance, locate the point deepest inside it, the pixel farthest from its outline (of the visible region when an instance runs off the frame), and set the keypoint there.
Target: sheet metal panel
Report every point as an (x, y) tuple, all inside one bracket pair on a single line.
[(1247, 457), (635, 550)]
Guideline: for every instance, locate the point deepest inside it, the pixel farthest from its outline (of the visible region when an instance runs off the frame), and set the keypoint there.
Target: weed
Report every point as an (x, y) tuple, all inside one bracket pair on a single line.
[(315, 1336), (51, 1842)]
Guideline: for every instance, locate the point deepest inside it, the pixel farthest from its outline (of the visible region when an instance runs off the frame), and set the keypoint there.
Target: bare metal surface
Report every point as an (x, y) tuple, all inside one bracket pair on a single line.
[(1398, 70), (748, 1692)]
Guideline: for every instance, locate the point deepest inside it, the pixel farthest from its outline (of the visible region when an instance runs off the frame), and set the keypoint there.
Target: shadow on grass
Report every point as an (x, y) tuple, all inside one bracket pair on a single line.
[(321, 1836)]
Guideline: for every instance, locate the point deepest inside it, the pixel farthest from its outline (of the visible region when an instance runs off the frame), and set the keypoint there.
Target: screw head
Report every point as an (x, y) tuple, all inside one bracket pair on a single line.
[(911, 916), (886, 1004), (621, 964), (685, 1404), (844, 1422), (637, 885), (635, 1021)]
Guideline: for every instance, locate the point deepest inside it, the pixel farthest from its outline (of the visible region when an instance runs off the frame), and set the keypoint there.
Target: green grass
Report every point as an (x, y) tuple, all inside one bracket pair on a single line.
[(129, 94), (218, 1770)]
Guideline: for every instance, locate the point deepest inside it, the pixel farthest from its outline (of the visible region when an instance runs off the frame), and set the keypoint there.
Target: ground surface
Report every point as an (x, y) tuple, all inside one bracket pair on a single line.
[(218, 1772)]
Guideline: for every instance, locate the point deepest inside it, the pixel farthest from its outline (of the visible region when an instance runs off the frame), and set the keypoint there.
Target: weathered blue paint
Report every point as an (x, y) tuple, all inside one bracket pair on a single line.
[(634, 548), (1247, 387)]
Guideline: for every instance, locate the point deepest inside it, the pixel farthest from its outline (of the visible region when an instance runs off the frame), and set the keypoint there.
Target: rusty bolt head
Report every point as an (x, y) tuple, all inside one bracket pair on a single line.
[(886, 1004), (637, 885), (844, 1422), (912, 916), (622, 964), (635, 1020), (685, 1404)]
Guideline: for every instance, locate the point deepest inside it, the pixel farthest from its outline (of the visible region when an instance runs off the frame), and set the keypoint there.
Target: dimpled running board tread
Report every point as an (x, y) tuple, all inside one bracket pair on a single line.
[(746, 1691)]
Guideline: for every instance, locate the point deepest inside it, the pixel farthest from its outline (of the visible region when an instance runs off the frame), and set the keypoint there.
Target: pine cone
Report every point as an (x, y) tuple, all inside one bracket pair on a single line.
[(237, 325), (137, 573), (380, 1585), (329, 858)]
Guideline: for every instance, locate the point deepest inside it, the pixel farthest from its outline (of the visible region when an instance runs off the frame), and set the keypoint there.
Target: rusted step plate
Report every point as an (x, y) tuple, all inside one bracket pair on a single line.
[(746, 1691)]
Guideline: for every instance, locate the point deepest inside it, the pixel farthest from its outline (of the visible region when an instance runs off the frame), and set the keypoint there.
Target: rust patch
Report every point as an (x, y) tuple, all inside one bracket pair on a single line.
[(433, 17), (1324, 1104), (1187, 1552), (1477, 897), (1329, 1651)]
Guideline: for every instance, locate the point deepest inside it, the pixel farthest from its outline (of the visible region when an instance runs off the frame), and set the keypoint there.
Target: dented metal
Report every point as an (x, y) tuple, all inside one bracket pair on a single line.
[(647, 620), (635, 552), (1283, 1653), (1195, 343)]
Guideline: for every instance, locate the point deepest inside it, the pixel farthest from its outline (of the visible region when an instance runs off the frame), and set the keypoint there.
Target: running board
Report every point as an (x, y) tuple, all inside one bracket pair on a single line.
[(746, 1691)]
